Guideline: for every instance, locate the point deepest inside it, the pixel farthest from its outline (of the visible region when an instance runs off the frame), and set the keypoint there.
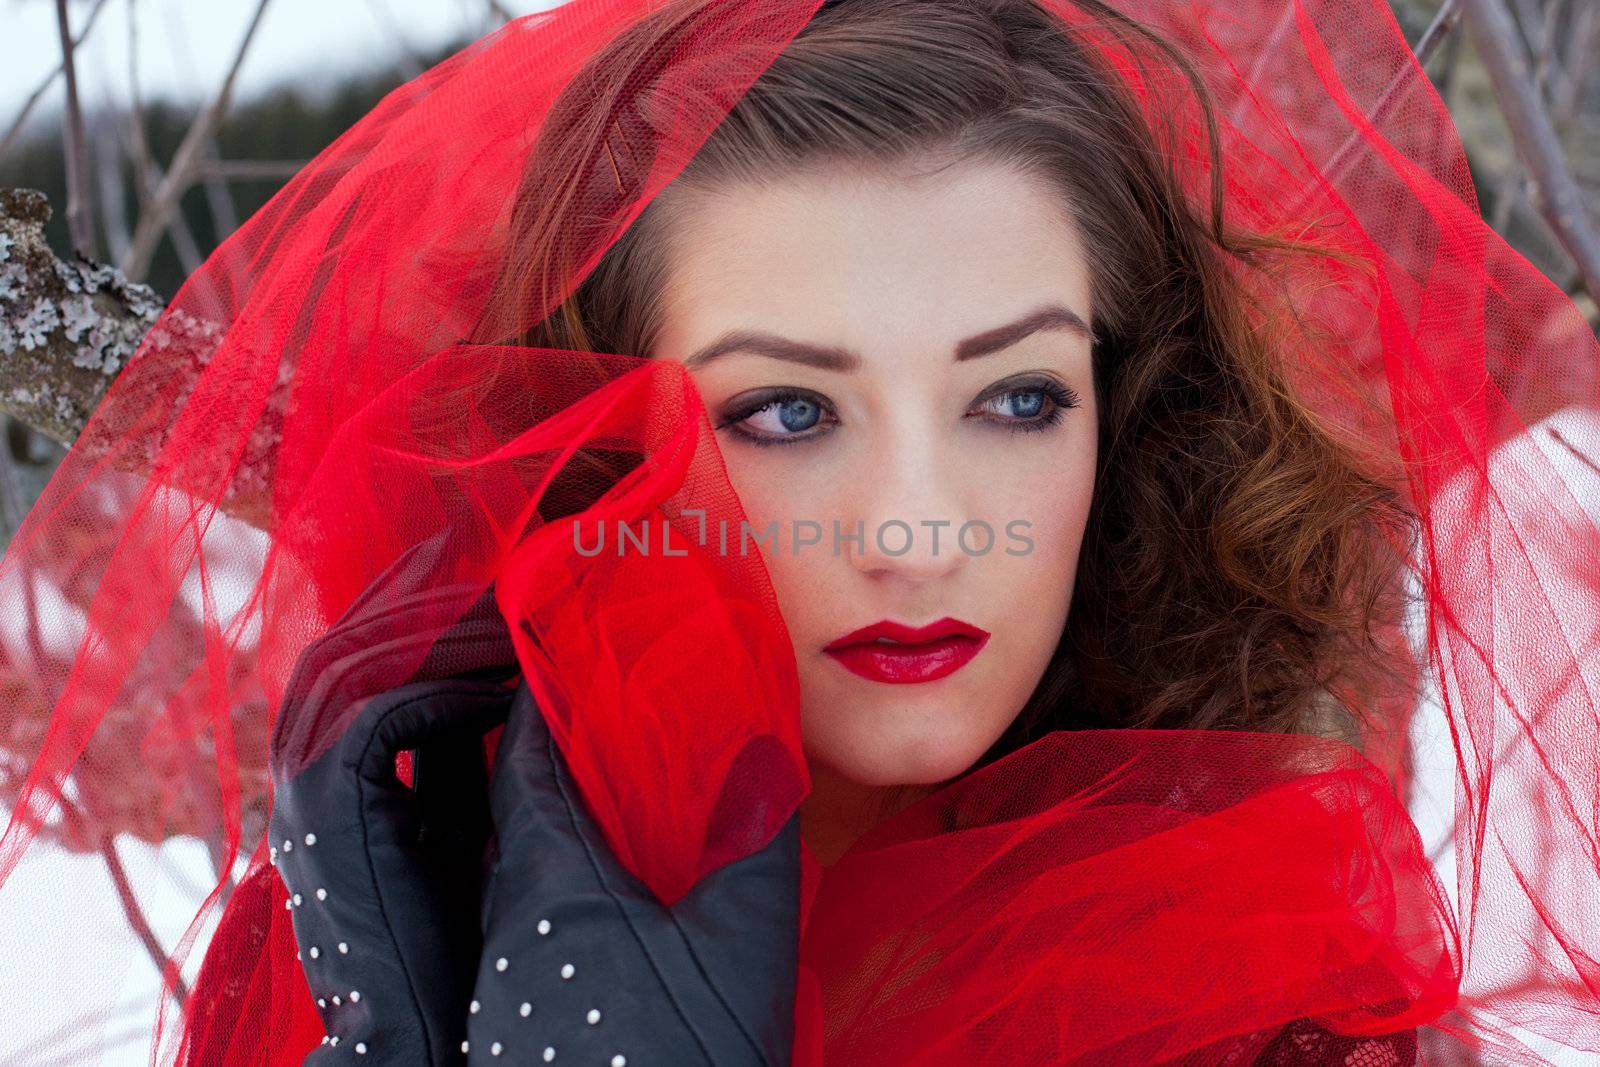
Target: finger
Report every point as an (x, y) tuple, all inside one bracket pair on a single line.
[(742, 923), (377, 653)]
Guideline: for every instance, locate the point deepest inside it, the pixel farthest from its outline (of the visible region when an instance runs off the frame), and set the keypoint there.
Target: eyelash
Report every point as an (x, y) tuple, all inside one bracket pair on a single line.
[(1060, 397)]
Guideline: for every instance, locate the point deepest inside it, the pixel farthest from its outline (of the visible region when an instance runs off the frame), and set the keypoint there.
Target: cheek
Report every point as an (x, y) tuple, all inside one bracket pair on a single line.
[(885, 734)]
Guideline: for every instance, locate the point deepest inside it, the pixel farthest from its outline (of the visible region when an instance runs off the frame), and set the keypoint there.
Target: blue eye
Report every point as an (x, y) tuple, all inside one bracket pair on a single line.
[(794, 416), (779, 417), (1024, 404), (1029, 407), (790, 416)]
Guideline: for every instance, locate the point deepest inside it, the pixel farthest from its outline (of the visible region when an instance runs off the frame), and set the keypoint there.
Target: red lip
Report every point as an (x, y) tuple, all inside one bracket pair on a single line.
[(923, 654)]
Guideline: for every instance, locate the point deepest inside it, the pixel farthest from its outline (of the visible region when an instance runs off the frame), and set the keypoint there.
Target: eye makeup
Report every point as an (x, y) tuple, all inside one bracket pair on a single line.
[(1054, 399)]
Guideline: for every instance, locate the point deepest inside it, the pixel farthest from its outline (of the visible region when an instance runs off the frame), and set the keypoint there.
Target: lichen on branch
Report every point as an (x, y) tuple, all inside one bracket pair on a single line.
[(67, 328)]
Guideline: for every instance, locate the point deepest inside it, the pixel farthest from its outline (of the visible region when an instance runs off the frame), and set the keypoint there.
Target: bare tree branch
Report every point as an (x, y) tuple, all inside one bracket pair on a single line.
[(66, 329), (153, 220), (107, 157), (1438, 30), (252, 169), (75, 147), (49, 80), (1556, 193), (1514, 181), (131, 907)]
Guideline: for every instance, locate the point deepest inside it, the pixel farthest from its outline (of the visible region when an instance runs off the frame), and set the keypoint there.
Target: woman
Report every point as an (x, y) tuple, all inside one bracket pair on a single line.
[(1057, 284)]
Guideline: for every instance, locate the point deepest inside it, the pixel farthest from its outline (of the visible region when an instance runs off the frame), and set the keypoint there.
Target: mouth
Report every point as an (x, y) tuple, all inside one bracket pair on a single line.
[(896, 654)]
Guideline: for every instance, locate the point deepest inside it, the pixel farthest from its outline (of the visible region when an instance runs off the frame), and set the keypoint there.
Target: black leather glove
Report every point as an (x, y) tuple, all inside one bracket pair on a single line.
[(583, 965), (386, 880)]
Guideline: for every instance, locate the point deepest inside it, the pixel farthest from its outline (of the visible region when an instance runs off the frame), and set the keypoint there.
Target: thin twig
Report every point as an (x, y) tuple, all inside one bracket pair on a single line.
[(224, 212), (180, 175), (75, 146), (49, 80), (1556, 193), (131, 907), (1585, 30), (108, 172), (1432, 37), (1513, 181), (1443, 22), (12, 505), (239, 170)]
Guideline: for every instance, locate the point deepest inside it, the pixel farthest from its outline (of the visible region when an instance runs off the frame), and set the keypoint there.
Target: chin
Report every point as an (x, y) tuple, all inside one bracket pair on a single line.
[(921, 761)]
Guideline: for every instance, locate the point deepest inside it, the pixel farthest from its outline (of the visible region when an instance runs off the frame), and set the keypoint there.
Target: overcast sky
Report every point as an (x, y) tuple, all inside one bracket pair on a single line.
[(185, 46)]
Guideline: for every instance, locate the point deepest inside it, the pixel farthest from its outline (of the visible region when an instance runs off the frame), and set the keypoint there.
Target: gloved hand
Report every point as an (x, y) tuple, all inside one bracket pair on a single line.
[(386, 880), (582, 962)]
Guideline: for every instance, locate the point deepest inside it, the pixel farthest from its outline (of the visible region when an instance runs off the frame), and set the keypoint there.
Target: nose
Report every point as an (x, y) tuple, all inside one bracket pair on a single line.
[(909, 509)]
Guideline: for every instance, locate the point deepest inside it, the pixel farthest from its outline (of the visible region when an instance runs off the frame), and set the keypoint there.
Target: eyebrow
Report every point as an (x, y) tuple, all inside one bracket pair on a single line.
[(828, 357)]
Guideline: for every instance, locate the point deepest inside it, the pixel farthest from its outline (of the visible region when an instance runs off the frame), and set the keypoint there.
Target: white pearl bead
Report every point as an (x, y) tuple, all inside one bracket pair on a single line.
[(287, 903), (336, 1000), (355, 996), (567, 970), (361, 1048), (321, 1003), (526, 1009), (593, 1016), (311, 839), (324, 1039), (501, 964), (344, 949), (315, 952), (296, 953), (463, 1046), (297, 898), (473, 1007), (272, 854), (288, 846), (549, 1053), (333, 1040), (619, 1060), (494, 1049), (544, 926), (322, 894)]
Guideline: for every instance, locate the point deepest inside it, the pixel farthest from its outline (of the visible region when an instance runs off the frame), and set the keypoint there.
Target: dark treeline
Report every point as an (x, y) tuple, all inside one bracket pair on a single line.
[(285, 124)]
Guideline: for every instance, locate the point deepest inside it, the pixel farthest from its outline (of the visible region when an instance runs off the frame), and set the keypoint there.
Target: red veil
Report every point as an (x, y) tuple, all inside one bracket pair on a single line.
[(340, 382)]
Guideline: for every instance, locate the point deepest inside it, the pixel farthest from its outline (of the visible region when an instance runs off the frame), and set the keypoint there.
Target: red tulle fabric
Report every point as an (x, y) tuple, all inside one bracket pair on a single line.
[(324, 394)]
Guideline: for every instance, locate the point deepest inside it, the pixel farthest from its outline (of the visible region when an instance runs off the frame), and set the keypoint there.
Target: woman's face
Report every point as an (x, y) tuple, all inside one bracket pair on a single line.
[(926, 334)]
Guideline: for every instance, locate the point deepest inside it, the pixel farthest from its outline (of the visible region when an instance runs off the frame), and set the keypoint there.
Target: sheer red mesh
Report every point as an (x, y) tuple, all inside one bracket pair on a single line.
[(335, 386)]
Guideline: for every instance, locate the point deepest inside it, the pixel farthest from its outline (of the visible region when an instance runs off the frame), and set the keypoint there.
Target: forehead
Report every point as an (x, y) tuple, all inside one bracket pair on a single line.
[(853, 252)]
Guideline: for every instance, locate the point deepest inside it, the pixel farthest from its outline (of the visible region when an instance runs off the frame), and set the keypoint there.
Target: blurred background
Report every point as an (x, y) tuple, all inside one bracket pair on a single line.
[(155, 127)]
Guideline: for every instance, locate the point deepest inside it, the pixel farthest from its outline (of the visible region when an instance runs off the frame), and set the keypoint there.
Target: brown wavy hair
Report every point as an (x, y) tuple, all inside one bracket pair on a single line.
[(1242, 563)]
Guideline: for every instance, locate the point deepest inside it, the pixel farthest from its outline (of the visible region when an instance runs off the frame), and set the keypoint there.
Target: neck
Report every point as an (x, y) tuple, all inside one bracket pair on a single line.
[(838, 811)]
